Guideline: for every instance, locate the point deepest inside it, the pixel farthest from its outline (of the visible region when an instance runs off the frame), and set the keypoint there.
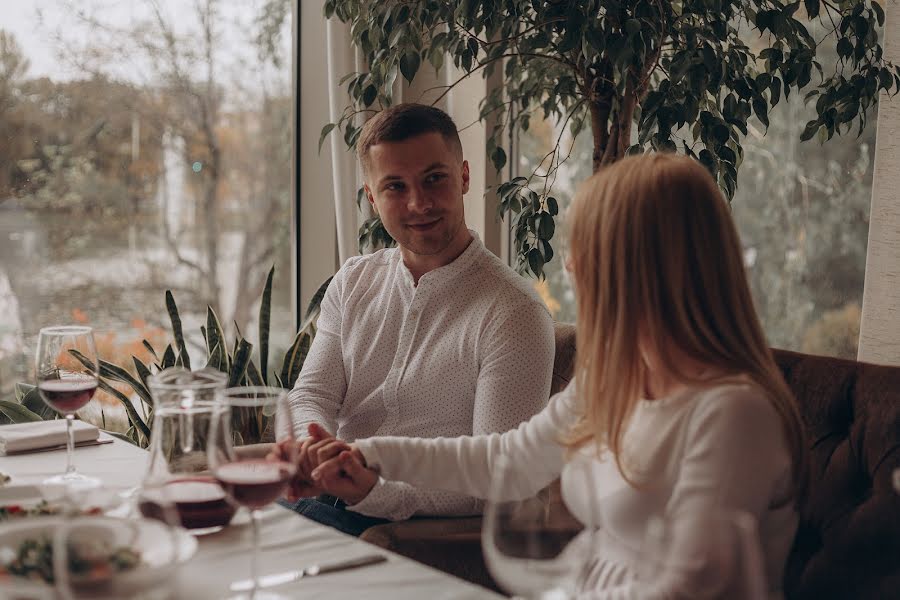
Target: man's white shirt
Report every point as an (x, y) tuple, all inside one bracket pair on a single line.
[(467, 351)]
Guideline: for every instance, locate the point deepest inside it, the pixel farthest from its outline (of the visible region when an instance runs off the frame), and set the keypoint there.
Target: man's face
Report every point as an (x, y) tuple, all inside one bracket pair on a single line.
[(416, 186)]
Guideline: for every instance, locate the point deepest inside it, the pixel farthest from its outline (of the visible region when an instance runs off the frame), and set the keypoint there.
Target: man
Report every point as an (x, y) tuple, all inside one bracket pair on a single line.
[(436, 337)]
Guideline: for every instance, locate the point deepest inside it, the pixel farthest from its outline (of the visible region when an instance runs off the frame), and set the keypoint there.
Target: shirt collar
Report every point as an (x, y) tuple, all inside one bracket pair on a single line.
[(449, 272)]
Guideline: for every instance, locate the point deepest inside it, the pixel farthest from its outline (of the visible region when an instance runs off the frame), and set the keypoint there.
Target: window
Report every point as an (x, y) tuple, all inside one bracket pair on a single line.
[(140, 151), (802, 209)]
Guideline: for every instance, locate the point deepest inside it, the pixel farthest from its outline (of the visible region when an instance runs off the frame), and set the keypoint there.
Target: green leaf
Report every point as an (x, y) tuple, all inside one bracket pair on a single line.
[(150, 349), (142, 370), (547, 250), (313, 307), (325, 131), (536, 262), (369, 95), (498, 157), (409, 64), (844, 47), (812, 8), (809, 131), (761, 110), (17, 413), (217, 336), (22, 390), (546, 226), (552, 206), (217, 359), (117, 373), (879, 13), (239, 363), (294, 359), (253, 375), (168, 359), (176, 329), (265, 318), (133, 417), (32, 401)]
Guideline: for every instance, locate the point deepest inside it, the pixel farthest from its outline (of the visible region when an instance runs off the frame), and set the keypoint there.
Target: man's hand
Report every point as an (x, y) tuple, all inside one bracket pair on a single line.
[(343, 473), (298, 453)]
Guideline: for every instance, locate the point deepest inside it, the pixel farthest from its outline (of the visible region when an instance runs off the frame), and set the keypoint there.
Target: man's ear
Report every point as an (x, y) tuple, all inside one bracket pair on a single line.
[(370, 197), (465, 177)]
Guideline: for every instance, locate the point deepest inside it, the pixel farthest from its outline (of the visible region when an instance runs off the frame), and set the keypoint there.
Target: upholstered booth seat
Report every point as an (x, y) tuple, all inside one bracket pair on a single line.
[(848, 543)]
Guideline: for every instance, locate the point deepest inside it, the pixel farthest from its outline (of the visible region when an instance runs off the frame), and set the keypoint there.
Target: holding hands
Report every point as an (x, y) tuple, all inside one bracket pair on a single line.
[(328, 465)]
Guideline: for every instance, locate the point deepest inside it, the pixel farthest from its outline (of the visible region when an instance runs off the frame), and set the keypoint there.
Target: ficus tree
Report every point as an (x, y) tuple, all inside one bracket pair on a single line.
[(640, 75)]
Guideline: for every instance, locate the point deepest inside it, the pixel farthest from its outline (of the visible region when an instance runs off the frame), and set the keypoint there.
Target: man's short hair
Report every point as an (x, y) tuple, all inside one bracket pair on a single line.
[(404, 121)]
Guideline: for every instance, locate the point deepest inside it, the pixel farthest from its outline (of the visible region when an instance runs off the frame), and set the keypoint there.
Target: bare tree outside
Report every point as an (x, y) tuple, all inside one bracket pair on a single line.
[(161, 162)]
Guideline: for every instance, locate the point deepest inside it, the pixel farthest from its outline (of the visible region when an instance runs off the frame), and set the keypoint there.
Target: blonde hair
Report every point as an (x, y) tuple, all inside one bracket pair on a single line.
[(657, 257)]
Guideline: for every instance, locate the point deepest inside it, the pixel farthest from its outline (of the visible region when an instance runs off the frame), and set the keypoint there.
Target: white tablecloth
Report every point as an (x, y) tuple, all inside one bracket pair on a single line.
[(289, 542)]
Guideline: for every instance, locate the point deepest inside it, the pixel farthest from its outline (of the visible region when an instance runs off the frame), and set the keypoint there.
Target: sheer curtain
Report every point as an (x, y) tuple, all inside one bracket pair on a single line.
[(879, 334), (346, 175)]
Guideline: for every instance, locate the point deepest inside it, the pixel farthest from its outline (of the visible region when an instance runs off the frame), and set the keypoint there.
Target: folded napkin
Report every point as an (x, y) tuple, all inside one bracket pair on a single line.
[(22, 437)]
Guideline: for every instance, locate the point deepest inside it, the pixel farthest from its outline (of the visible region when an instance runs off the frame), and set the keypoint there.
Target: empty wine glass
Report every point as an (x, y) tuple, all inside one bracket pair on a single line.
[(715, 553), (243, 418), (67, 373), (528, 549)]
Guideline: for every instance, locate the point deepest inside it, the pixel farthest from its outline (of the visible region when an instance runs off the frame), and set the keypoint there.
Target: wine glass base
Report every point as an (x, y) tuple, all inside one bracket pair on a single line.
[(75, 481)]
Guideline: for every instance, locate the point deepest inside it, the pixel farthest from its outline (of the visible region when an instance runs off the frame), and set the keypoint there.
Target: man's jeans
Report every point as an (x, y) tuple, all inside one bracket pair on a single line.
[(332, 512)]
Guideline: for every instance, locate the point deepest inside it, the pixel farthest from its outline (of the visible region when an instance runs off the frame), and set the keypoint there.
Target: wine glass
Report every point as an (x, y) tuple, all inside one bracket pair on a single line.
[(531, 550), (715, 553), (67, 374), (244, 417)]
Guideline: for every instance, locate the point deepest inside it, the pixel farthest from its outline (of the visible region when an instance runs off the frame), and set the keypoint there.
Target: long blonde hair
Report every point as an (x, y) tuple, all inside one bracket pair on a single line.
[(657, 257)]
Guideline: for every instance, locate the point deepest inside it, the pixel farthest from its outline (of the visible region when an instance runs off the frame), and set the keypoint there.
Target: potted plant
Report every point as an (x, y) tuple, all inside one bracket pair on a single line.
[(233, 358), (680, 75)]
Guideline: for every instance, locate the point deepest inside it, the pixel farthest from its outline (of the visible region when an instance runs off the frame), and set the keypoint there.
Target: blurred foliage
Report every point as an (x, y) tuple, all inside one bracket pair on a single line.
[(802, 212), (836, 333)]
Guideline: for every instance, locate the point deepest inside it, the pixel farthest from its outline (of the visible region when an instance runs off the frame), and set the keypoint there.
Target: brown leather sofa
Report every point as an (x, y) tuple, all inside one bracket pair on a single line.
[(848, 542)]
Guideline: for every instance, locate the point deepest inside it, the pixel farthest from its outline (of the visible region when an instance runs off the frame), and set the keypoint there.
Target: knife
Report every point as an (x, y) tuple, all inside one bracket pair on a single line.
[(265, 581)]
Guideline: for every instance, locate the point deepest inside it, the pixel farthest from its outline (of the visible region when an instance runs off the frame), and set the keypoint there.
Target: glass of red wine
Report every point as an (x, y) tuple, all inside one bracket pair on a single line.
[(246, 421), (67, 373)]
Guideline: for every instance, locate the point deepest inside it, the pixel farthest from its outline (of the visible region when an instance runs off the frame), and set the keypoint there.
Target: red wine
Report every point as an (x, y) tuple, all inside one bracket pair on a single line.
[(67, 395), (200, 502), (254, 483)]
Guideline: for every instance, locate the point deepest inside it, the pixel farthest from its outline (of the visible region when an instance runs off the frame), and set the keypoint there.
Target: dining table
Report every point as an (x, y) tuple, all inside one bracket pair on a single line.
[(289, 542)]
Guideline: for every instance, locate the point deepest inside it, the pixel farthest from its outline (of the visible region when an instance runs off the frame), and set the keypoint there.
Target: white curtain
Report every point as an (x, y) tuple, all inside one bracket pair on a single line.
[(346, 176)]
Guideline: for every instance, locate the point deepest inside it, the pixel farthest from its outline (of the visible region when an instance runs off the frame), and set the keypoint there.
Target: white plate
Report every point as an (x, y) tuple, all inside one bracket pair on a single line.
[(151, 538)]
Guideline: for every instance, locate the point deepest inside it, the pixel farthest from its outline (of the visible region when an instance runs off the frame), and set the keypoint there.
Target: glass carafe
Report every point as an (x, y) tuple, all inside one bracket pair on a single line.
[(183, 402)]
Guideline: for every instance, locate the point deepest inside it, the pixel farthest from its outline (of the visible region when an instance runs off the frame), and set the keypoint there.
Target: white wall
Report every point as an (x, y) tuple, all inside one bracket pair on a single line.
[(879, 338)]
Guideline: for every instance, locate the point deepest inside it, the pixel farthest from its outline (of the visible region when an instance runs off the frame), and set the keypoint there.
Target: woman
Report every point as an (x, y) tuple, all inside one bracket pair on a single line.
[(677, 405)]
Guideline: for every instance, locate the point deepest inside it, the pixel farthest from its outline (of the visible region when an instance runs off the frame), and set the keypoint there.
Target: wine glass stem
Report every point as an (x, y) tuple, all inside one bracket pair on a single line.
[(70, 444), (254, 556)]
